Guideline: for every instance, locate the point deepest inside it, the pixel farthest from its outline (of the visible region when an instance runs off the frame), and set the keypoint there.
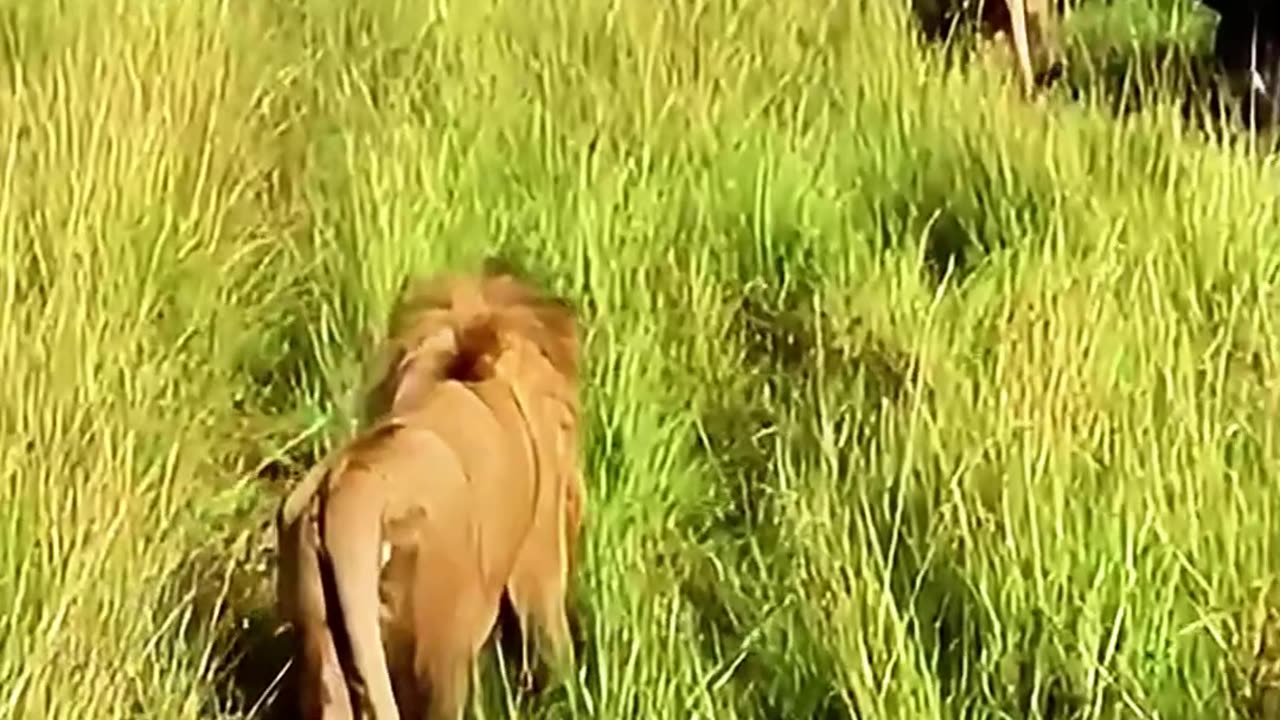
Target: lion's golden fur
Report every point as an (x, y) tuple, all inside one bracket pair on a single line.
[(446, 326), (463, 485), (1032, 37)]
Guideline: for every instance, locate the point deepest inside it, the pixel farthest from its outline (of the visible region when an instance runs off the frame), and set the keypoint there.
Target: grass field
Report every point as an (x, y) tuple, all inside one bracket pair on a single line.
[(907, 398)]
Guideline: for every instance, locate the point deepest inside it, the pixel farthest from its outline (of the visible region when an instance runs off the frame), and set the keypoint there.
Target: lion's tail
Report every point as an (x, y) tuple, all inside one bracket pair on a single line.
[(352, 537)]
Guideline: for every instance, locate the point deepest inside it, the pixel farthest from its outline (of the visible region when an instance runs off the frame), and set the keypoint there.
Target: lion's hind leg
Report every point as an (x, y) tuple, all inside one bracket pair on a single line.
[(537, 590), (322, 692), (447, 677), (453, 616), (322, 689)]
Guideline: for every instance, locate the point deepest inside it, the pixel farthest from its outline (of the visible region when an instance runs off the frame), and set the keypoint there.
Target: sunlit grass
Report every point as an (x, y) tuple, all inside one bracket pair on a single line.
[(907, 399)]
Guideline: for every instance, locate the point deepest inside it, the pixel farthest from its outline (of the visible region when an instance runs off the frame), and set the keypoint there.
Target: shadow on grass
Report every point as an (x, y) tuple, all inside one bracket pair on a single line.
[(257, 674), (250, 649), (1126, 78), (953, 248), (1254, 673), (948, 207), (790, 355), (781, 344), (276, 445)]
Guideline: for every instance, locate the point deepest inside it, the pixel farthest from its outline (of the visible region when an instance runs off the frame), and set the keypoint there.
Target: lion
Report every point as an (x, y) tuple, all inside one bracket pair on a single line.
[(1029, 26), (420, 349), (462, 486), (1031, 34)]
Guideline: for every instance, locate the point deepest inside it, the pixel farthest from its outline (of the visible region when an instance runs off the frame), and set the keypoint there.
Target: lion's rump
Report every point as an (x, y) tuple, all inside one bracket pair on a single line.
[(464, 484)]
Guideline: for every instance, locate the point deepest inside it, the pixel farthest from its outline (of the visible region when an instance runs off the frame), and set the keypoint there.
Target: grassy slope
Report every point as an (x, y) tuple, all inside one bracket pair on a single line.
[(828, 478)]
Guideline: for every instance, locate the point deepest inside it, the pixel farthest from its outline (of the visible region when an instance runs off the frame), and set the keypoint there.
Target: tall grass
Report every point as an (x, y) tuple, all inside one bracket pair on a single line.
[(907, 398)]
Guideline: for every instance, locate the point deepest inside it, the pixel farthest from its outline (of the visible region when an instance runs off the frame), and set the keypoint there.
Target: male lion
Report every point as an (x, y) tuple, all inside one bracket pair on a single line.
[(464, 484), (420, 351)]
